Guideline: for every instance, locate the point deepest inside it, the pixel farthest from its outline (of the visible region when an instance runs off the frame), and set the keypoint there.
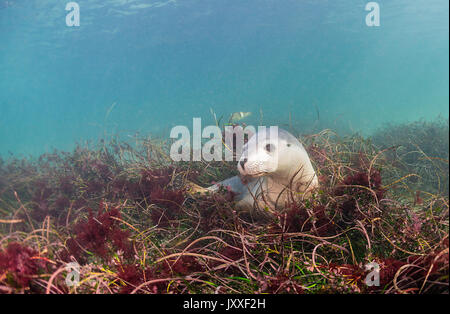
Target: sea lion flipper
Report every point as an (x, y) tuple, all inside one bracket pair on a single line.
[(234, 184), (193, 188)]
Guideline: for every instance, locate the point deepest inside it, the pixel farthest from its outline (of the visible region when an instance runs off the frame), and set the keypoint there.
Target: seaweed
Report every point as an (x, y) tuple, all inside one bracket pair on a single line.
[(19, 264), (419, 148), (125, 214), (99, 234)]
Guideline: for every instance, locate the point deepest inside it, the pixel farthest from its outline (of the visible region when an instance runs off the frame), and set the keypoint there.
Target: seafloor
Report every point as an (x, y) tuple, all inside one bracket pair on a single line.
[(126, 216)]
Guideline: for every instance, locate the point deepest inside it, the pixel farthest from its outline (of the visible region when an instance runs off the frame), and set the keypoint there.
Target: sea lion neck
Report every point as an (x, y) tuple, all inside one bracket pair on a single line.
[(281, 178)]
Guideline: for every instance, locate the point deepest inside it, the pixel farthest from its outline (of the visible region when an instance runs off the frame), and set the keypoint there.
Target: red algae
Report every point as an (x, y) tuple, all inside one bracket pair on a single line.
[(131, 276), (297, 218), (99, 235), (359, 190), (147, 227), (183, 265), (19, 264)]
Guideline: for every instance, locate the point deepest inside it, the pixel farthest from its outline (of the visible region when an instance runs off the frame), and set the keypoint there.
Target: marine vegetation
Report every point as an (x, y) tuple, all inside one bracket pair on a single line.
[(419, 148), (127, 216)]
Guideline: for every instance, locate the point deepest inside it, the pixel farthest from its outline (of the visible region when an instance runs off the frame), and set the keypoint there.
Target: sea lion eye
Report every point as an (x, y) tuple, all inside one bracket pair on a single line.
[(288, 145), (270, 148)]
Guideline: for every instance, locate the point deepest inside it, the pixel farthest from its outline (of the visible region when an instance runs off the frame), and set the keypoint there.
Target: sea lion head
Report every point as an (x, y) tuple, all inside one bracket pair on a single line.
[(278, 154)]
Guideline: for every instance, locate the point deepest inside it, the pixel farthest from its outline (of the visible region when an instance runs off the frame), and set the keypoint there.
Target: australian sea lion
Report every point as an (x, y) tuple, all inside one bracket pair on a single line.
[(273, 171)]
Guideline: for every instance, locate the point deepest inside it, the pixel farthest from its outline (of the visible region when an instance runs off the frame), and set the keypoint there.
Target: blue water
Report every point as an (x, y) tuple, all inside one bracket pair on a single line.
[(144, 66)]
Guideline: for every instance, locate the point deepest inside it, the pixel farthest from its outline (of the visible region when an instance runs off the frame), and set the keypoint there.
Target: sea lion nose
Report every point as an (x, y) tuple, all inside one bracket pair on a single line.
[(242, 162)]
